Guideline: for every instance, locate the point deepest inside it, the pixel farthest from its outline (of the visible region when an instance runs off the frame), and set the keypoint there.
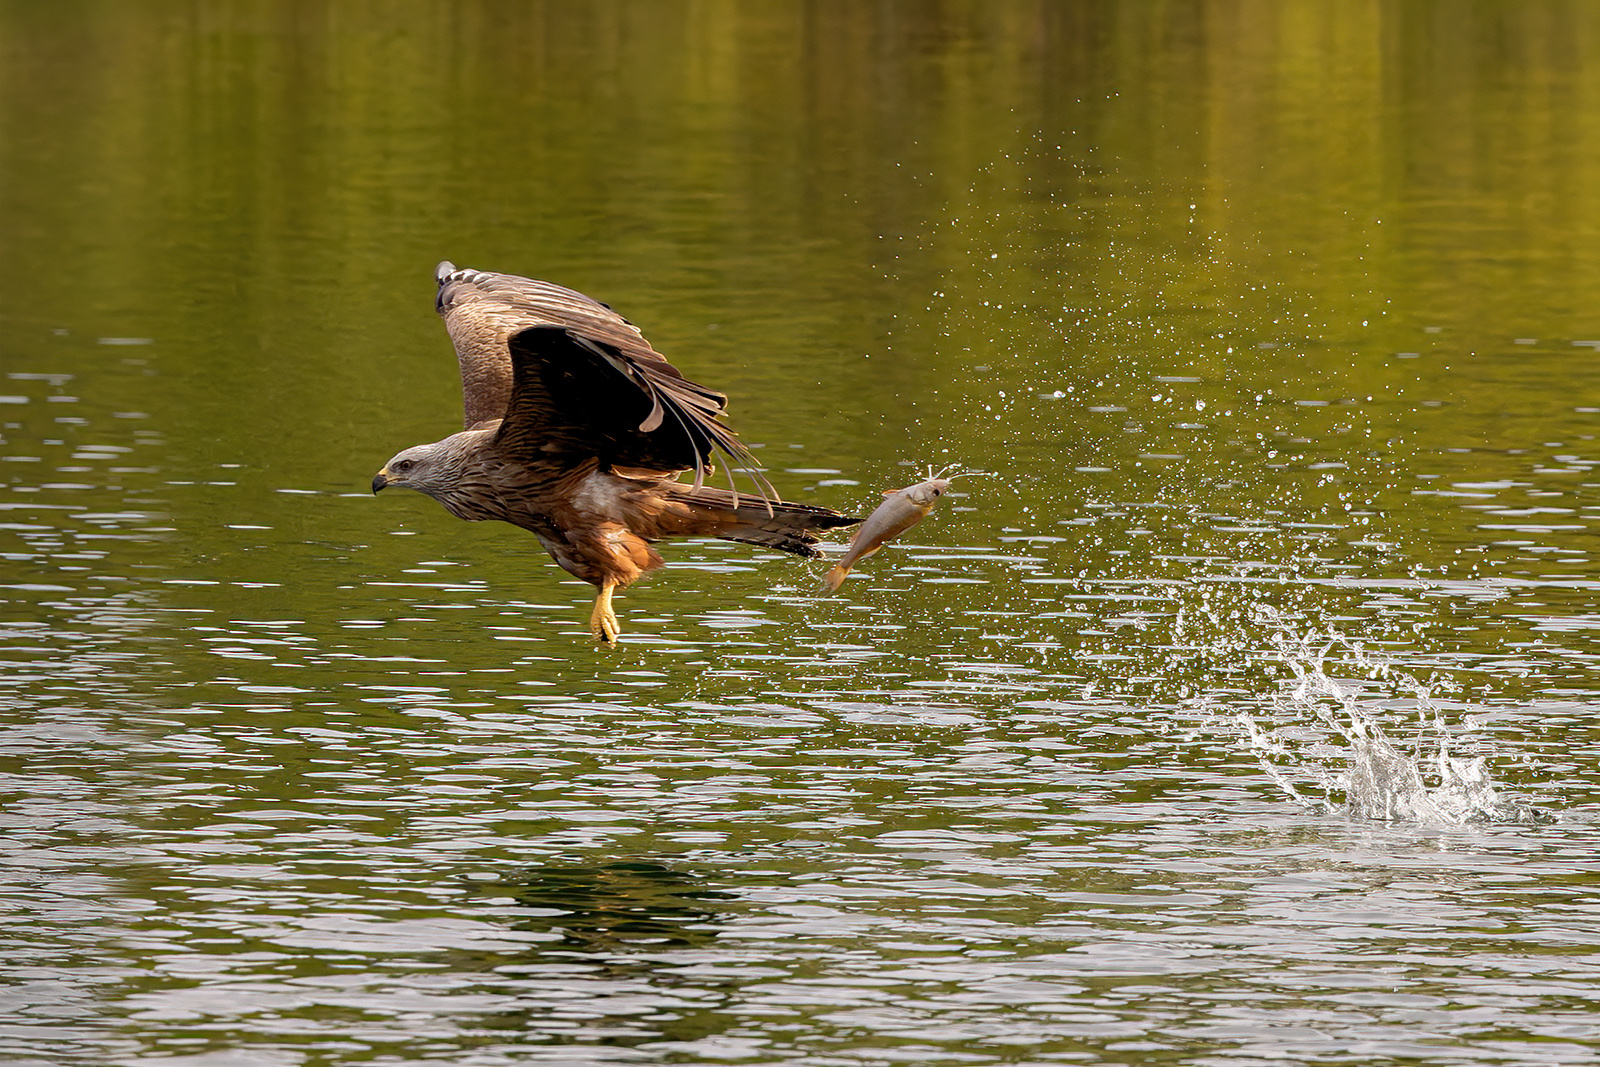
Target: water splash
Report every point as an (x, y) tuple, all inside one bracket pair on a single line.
[(1326, 741)]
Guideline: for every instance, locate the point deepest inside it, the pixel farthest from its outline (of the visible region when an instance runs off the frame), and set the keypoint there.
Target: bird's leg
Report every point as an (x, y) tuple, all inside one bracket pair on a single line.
[(603, 621)]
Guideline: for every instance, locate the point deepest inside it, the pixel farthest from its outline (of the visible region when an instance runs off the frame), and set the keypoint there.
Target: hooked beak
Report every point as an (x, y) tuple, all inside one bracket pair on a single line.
[(380, 480)]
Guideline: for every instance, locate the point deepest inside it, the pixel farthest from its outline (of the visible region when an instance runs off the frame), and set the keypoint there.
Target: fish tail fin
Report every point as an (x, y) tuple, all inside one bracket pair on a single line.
[(835, 578)]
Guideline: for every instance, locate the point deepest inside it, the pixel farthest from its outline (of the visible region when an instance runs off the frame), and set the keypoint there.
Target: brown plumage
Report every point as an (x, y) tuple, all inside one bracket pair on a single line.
[(578, 431)]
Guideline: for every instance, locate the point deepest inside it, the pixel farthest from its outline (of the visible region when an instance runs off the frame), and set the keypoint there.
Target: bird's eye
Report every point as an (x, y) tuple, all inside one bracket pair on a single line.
[(404, 465)]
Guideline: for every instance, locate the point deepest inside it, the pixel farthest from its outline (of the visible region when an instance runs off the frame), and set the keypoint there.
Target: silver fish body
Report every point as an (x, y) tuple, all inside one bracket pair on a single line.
[(900, 510)]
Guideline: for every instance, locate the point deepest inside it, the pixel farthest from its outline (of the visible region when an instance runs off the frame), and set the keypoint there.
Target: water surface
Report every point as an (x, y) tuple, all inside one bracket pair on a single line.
[(1273, 322)]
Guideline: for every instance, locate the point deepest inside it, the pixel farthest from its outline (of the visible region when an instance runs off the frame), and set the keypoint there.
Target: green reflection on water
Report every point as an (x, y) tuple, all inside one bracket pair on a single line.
[(1248, 304), (1295, 266)]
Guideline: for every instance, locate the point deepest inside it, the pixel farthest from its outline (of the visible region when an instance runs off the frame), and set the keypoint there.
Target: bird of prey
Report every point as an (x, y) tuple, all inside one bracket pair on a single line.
[(578, 432)]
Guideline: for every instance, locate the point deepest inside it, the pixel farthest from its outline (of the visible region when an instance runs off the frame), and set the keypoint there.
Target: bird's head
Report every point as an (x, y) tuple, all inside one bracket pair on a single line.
[(425, 468)]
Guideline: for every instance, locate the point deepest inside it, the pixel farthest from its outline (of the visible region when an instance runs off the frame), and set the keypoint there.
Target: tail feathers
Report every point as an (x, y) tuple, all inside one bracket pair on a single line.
[(711, 512)]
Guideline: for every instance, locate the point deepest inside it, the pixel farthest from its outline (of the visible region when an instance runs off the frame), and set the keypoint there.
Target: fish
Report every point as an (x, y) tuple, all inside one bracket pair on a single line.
[(901, 509)]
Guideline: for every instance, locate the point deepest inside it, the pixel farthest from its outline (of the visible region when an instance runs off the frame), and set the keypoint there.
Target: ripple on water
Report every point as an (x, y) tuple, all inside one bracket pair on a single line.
[(389, 807)]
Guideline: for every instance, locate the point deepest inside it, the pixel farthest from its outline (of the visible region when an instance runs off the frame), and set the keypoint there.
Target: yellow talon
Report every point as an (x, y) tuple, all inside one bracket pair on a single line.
[(603, 621)]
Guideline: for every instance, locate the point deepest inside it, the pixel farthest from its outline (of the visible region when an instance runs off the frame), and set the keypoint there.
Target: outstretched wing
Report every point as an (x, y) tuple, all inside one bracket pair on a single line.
[(568, 374), (483, 311)]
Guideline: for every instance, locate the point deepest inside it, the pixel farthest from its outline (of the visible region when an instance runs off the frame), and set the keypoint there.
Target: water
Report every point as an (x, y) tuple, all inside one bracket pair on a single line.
[(1243, 716), (1325, 714)]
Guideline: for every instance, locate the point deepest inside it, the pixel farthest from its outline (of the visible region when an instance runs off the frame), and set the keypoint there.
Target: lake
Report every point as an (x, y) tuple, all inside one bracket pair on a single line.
[(1241, 712)]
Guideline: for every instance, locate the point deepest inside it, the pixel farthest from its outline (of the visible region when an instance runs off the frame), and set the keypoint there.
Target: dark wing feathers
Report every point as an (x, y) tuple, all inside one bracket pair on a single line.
[(558, 366), (482, 311), (571, 397)]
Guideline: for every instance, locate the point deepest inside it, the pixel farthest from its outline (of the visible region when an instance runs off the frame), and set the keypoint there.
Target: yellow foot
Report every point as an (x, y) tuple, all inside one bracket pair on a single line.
[(603, 621), (604, 627)]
